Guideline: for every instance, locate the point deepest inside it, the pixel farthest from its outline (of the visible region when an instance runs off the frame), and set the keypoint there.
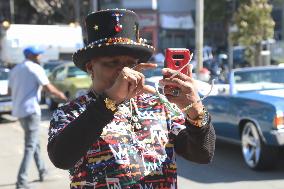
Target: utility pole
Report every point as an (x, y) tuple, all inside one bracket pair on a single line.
[(230, 50), (231, 29), (77, 8), (96, 5), (199, 34), (12, 11)]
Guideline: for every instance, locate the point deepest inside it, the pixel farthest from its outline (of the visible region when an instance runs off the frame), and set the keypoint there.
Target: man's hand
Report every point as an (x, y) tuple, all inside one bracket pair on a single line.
[(62, 96), (53, 90), (130, 83), (187, 91)]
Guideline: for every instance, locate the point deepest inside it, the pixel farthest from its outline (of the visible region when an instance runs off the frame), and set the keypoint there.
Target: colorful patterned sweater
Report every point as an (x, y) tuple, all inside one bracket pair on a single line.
[(132, 148)]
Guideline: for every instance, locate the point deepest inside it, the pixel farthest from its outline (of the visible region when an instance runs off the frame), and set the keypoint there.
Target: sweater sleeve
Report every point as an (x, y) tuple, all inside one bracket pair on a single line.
[(196, 144), (73, 130)]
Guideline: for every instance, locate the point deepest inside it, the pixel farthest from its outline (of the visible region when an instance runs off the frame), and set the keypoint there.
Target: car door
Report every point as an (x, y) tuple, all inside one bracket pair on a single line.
[(58, 77), (224, 116)]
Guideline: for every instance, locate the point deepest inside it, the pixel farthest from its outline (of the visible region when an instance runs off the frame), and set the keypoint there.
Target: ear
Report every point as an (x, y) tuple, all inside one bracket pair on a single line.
[(89, 67)]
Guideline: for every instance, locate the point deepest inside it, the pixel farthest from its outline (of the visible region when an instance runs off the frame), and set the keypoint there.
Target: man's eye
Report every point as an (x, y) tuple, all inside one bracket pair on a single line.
[(110, 64), (133, 65)]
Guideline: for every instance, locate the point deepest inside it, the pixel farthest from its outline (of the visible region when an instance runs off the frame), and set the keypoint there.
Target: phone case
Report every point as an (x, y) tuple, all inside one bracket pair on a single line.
[(176, 58)]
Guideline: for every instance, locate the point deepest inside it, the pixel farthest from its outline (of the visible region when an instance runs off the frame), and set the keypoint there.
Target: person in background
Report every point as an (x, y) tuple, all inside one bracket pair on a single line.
[(25, 81), (122, 133)]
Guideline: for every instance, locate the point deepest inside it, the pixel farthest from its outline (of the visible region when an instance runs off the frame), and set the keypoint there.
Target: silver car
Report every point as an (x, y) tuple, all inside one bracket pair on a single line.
[(5, 99)]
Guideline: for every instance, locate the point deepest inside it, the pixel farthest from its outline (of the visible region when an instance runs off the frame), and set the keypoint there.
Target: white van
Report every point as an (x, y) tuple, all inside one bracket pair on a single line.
[(58, 41)]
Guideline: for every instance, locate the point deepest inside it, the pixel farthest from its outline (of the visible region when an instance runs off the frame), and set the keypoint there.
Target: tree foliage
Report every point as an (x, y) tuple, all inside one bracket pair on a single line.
[(46, 7), (255, 24), (44, 11), (217, 15), (215, 10)]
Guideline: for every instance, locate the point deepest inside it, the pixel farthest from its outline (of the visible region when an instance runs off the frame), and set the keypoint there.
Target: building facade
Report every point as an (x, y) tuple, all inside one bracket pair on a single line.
[(165, 23), (4, 10), (176, 23)]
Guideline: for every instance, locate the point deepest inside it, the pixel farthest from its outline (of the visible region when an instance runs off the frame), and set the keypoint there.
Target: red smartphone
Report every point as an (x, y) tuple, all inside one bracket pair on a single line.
[(176, 58)]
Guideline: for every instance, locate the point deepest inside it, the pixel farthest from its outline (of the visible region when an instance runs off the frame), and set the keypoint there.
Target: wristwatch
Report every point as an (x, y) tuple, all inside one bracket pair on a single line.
[(201, 120)]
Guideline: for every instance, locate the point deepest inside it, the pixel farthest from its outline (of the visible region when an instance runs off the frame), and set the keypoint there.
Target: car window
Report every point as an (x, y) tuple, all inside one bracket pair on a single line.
[(261, 79), (244, 77), (49, 67), (76, 72), (59, 74), (153, 72), (273, 76), (4, 75)]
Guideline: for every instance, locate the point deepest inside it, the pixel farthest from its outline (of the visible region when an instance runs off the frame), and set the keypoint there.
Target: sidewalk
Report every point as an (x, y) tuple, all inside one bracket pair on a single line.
[(12, 146)]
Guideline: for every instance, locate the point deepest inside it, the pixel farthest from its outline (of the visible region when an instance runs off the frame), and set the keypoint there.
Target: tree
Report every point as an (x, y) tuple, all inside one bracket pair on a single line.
[(48, 11), (255, 25), (216, 12)]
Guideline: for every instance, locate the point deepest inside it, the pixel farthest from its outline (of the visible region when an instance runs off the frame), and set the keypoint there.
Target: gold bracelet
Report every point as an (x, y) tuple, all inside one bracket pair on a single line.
[(201, 99), (201, 120), (110, 104), (185, 110)]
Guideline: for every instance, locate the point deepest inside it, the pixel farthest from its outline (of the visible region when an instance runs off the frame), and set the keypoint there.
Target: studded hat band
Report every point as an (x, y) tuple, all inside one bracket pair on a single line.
[(116, 40)]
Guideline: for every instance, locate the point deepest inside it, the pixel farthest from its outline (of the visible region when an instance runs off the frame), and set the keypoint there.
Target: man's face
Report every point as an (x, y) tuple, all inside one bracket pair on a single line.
[(35, 58), (106, 69)]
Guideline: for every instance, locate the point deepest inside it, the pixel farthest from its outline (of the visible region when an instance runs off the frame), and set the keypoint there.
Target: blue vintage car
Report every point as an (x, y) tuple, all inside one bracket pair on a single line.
[(250, 111)]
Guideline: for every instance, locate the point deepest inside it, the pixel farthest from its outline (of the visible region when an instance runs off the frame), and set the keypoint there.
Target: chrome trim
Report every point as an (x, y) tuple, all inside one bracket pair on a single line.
[(279, 136), (251, 145)]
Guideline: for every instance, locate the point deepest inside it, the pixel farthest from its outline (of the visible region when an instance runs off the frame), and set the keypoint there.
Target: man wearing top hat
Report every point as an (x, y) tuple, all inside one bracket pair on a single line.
[(121, 134)]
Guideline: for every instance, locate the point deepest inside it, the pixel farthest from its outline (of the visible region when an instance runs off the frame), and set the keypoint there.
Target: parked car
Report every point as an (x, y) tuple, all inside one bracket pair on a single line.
[(5, 99), (50, 65), (48, 68), (249, 110), (153, 75), (69, 79)]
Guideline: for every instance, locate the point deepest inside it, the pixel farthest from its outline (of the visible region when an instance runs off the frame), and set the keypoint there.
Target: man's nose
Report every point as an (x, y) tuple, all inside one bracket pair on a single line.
[(119, 67)]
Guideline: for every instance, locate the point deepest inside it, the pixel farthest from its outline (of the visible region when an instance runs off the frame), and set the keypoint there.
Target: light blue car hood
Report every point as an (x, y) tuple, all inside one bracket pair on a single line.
[(275, 97)]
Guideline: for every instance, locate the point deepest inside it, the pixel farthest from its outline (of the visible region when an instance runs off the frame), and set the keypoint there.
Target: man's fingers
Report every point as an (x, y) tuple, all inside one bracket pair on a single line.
[(133, 81), (136, 80), (137, 90), (169, 73), (175, 82), (148, 89), (144, 66)]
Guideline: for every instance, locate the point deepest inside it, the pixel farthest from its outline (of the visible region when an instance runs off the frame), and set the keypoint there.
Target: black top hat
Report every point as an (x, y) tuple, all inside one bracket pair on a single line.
[(113, 32)]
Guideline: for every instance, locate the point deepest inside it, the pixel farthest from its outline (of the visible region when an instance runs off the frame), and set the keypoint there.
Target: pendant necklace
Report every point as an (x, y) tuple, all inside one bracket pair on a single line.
[(134, 116)]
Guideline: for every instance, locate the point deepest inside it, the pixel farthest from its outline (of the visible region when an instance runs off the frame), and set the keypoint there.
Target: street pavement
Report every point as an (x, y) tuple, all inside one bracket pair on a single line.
[(12, 148), (226, 171)]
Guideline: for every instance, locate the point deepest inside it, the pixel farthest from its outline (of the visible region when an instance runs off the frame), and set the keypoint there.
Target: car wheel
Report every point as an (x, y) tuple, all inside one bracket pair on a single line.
[(256, 153), (50, 103)]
